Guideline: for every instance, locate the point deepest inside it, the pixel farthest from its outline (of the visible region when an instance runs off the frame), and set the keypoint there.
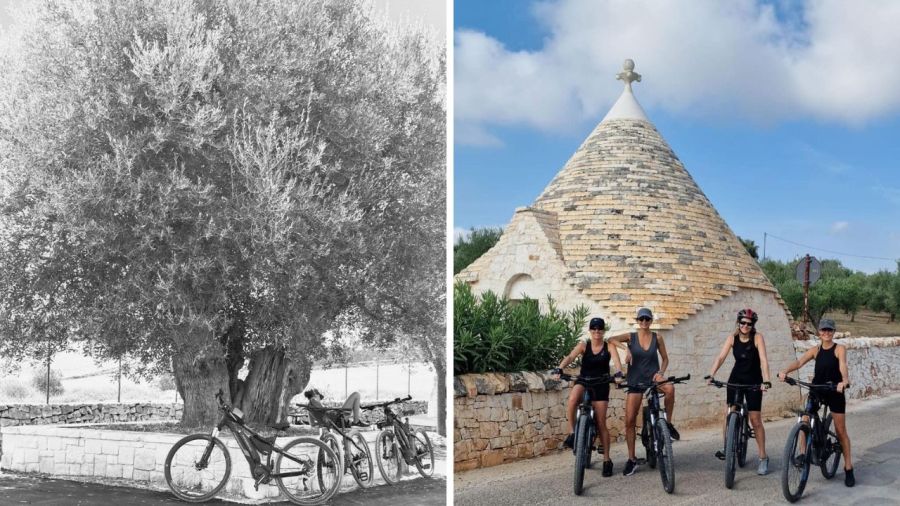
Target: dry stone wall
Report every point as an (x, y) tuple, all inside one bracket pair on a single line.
[(45, 414), (500, 418), (873, 364)]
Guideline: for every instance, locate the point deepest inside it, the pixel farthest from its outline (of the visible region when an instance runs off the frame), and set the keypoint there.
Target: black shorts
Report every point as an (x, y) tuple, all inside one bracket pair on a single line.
[(754, 398), (835, 401), (598, 392)]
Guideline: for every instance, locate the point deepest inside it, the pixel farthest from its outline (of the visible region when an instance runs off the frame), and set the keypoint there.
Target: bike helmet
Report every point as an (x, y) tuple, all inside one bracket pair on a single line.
[(748, 313)]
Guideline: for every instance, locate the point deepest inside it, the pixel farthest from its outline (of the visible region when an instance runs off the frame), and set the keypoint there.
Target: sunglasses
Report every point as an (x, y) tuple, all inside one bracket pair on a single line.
[(644, 319), (827, 330), (597, 330), (748, 324)]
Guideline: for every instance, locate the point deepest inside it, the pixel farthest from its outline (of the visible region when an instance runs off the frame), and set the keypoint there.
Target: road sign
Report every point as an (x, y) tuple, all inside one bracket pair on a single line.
[(815, 270)]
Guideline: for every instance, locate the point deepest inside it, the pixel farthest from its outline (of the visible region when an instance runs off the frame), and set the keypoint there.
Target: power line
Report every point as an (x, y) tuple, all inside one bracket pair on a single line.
[(830, 251)]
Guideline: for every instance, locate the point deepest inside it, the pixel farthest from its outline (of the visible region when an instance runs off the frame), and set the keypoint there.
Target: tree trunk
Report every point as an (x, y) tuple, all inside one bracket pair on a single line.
[(440, 369), (274, 379), (198, 378)]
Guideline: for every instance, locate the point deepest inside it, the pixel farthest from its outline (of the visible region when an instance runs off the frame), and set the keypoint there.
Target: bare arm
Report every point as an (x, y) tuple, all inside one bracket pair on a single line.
[(611, 348), (577, 350), (797, 364), (841, 353), (763, 357), (664, 363), (722, 355)]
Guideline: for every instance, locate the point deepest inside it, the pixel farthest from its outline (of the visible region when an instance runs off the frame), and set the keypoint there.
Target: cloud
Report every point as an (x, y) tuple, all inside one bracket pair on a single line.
[(831, 61), (459, 234), (839, 226), (821, 159)]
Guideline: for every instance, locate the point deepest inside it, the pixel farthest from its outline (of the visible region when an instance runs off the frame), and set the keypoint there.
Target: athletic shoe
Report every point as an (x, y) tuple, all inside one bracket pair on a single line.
[(849, 479), (629, 468), (720, 454), (570, 441), (763, 468), (607, 468), (672, 432)]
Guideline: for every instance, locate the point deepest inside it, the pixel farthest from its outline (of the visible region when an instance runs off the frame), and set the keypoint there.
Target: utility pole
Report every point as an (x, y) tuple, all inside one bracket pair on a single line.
[(806, 291), (48, 372), (764, 246)]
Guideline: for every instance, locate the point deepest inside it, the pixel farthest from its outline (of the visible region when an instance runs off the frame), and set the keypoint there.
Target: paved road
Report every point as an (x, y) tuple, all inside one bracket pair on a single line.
[(874, 435), (28, 489)]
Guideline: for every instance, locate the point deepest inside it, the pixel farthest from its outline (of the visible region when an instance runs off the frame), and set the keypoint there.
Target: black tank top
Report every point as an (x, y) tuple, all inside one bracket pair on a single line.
[(644, 363), (827, 366), (594, 365), (747, 369)]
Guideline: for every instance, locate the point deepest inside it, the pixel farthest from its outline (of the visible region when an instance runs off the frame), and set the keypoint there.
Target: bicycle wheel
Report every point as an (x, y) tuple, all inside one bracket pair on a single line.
[(197, 467), (387, 455), (582, 451), (665, 459), (831, 451), (300, 460), (322, 464), (732, 447), (592, 436), (745, 438), (795, 463), (360, 464), (424, 453)]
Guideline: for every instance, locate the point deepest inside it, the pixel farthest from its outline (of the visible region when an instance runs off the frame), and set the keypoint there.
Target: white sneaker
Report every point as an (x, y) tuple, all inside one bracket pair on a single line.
[(763, 467)]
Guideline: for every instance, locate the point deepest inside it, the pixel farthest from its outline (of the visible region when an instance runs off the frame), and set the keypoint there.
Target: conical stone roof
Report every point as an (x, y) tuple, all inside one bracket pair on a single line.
[(634, 228)]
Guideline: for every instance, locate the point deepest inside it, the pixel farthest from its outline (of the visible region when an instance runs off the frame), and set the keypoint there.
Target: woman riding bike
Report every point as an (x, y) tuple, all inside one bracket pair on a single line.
[(645, 367), (595, 355), (751, 367), (831, 366)]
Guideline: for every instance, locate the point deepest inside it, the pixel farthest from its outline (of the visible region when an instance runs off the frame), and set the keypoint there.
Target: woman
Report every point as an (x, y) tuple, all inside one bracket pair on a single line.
[(595, 355), (751, 365), (831, 366), (352, 404), (643, 348)]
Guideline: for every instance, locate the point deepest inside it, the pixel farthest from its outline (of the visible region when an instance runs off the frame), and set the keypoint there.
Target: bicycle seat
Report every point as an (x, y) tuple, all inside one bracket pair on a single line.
[(280, 426)]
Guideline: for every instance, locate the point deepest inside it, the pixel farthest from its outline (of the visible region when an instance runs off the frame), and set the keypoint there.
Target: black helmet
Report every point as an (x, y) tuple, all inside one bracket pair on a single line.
[(597, 323), (748, 313)]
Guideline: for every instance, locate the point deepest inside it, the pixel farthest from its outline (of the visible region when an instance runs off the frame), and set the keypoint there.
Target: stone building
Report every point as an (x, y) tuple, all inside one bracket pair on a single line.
[(623, 225)]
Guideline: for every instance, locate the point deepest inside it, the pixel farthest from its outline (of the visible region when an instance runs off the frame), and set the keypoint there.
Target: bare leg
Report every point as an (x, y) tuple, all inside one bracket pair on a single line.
[(600, 417), (352, 402), (840, 426), (632, 406), (572, 405), (760, 431), (669, 391)]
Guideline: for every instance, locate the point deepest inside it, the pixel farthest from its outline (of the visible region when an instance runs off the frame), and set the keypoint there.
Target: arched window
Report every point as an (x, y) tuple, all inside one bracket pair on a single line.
[(521, 286)]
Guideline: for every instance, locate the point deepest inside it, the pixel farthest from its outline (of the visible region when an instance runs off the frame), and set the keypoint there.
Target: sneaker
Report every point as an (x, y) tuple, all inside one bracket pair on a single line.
[(720, 454), (570, 441), (607, 469), (849, 479), (763, 468), (672, 432), (629, 468)]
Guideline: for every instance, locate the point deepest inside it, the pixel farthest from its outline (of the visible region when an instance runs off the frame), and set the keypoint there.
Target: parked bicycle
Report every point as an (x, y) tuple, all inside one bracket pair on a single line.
[(655, 435), (397, 441), (811, 441), (199, 465), (352, 449), (738, 431), (585, 426)]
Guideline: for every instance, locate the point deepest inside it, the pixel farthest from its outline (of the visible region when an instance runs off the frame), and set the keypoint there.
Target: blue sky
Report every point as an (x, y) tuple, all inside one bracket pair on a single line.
[(787, 114)]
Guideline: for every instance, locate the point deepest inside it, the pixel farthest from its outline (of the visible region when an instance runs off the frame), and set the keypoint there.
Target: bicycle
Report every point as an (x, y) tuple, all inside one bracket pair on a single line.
[(396, 440), (809, 442), (355, 455), (738, 431), (655, 436), (585, 427), (197, 472)]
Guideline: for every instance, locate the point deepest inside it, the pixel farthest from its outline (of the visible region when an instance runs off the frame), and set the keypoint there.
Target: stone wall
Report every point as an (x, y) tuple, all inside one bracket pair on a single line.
[(873, 364), (500, 418), (44, 414), (369, 416), (130, 458)]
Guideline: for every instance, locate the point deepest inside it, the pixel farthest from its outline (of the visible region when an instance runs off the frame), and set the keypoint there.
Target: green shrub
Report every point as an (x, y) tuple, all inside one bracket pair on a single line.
[(494, 334), (39, 382)]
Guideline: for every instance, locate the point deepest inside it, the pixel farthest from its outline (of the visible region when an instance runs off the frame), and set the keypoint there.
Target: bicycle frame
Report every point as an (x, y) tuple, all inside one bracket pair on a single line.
[(815, 439), (329, 425)]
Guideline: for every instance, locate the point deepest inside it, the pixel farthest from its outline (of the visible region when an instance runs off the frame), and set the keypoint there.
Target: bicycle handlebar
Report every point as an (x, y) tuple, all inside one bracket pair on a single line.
[(812, 386), (608, 378), (387, 403), (653, 384), (721, 384)]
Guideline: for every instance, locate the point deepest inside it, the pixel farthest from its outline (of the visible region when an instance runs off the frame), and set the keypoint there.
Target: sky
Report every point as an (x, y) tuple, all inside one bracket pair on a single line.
[(787, 114)]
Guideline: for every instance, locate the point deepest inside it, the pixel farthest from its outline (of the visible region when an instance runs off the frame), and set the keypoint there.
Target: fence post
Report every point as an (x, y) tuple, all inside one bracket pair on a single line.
[(48, 374), (376, 379), (408, 376), (346, 392), (120, 381)]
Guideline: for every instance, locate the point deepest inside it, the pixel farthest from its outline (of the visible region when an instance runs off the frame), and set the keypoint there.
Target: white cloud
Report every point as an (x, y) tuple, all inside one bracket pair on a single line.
[(821, 159), (703, 58), (459, 234), (839, 226)]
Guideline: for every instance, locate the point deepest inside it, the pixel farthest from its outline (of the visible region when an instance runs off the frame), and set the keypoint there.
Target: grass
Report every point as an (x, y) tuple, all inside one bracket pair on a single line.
[(866, 324)]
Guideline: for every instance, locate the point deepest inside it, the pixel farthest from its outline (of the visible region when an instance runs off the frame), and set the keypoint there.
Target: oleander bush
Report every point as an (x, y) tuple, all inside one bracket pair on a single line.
[(495, 334)]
